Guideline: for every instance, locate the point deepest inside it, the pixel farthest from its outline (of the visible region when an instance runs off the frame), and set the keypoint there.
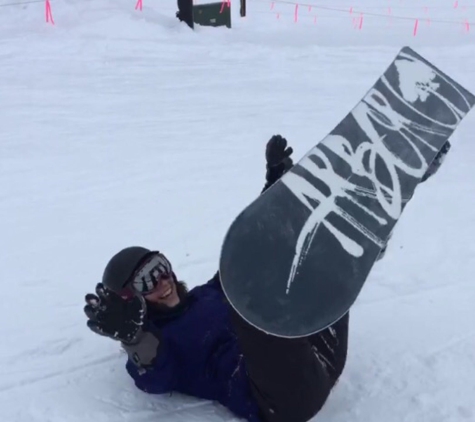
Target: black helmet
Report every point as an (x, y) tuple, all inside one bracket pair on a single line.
[(121, 267)]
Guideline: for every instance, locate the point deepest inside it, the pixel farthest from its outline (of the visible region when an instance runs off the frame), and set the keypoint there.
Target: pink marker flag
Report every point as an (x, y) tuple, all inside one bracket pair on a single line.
[(296, 15), (224, 4), (139, 5), (49, 14), (390, 13), (416, 26), (360, 26), (426, 11), (467, 25)]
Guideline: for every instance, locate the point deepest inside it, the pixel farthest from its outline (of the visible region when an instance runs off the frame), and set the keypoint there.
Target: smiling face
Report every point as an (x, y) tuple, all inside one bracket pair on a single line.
[(164, 294)]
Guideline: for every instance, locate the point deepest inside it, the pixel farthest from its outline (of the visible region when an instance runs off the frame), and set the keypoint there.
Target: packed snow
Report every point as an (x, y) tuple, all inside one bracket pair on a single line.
[(123, 127)]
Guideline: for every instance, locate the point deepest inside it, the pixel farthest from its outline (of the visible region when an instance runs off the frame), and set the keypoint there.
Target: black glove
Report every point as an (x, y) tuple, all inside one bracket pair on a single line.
[(278, 159), (112, 316)]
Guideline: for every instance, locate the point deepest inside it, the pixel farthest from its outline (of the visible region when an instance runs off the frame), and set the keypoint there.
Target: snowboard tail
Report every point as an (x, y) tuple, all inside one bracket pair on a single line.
[(294, 261)]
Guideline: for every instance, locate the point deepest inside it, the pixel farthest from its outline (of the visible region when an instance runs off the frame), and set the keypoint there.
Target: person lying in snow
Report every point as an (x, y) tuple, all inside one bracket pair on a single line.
[(193, 342)]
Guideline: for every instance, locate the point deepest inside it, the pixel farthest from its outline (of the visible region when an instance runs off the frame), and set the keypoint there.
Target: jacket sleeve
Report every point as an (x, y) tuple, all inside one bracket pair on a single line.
[(159, 378)]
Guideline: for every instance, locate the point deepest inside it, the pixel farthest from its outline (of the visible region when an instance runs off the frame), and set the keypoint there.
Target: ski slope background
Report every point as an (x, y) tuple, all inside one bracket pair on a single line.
[(122, 127)]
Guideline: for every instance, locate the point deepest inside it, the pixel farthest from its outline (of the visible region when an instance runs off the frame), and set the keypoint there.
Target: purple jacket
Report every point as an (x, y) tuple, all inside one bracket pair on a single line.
[(199, 354)]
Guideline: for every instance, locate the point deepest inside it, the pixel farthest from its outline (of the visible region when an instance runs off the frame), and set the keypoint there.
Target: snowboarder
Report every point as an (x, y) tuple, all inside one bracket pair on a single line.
[(193, 342)]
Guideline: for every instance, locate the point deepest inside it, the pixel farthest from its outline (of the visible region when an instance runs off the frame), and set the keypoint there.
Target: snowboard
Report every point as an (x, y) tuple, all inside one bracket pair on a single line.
[(294, 261)]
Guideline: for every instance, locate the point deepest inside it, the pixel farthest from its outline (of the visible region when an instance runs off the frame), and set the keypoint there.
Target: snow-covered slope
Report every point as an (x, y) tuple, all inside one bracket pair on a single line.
[(122, 127)]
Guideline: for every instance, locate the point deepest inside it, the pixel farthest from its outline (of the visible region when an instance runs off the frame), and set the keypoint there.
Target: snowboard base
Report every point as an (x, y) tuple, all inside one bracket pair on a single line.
[(294, 261)]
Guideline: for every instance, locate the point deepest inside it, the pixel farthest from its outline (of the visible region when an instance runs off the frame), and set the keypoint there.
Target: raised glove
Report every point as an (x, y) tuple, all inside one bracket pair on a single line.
[(278, 159), (112, 316), (277, 151)]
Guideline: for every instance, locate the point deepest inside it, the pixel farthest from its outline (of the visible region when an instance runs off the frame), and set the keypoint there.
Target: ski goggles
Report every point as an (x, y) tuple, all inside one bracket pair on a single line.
[(150, 273)]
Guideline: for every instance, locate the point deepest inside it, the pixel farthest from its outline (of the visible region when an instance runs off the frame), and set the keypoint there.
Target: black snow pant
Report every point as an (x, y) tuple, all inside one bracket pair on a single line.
[(291, 379)]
